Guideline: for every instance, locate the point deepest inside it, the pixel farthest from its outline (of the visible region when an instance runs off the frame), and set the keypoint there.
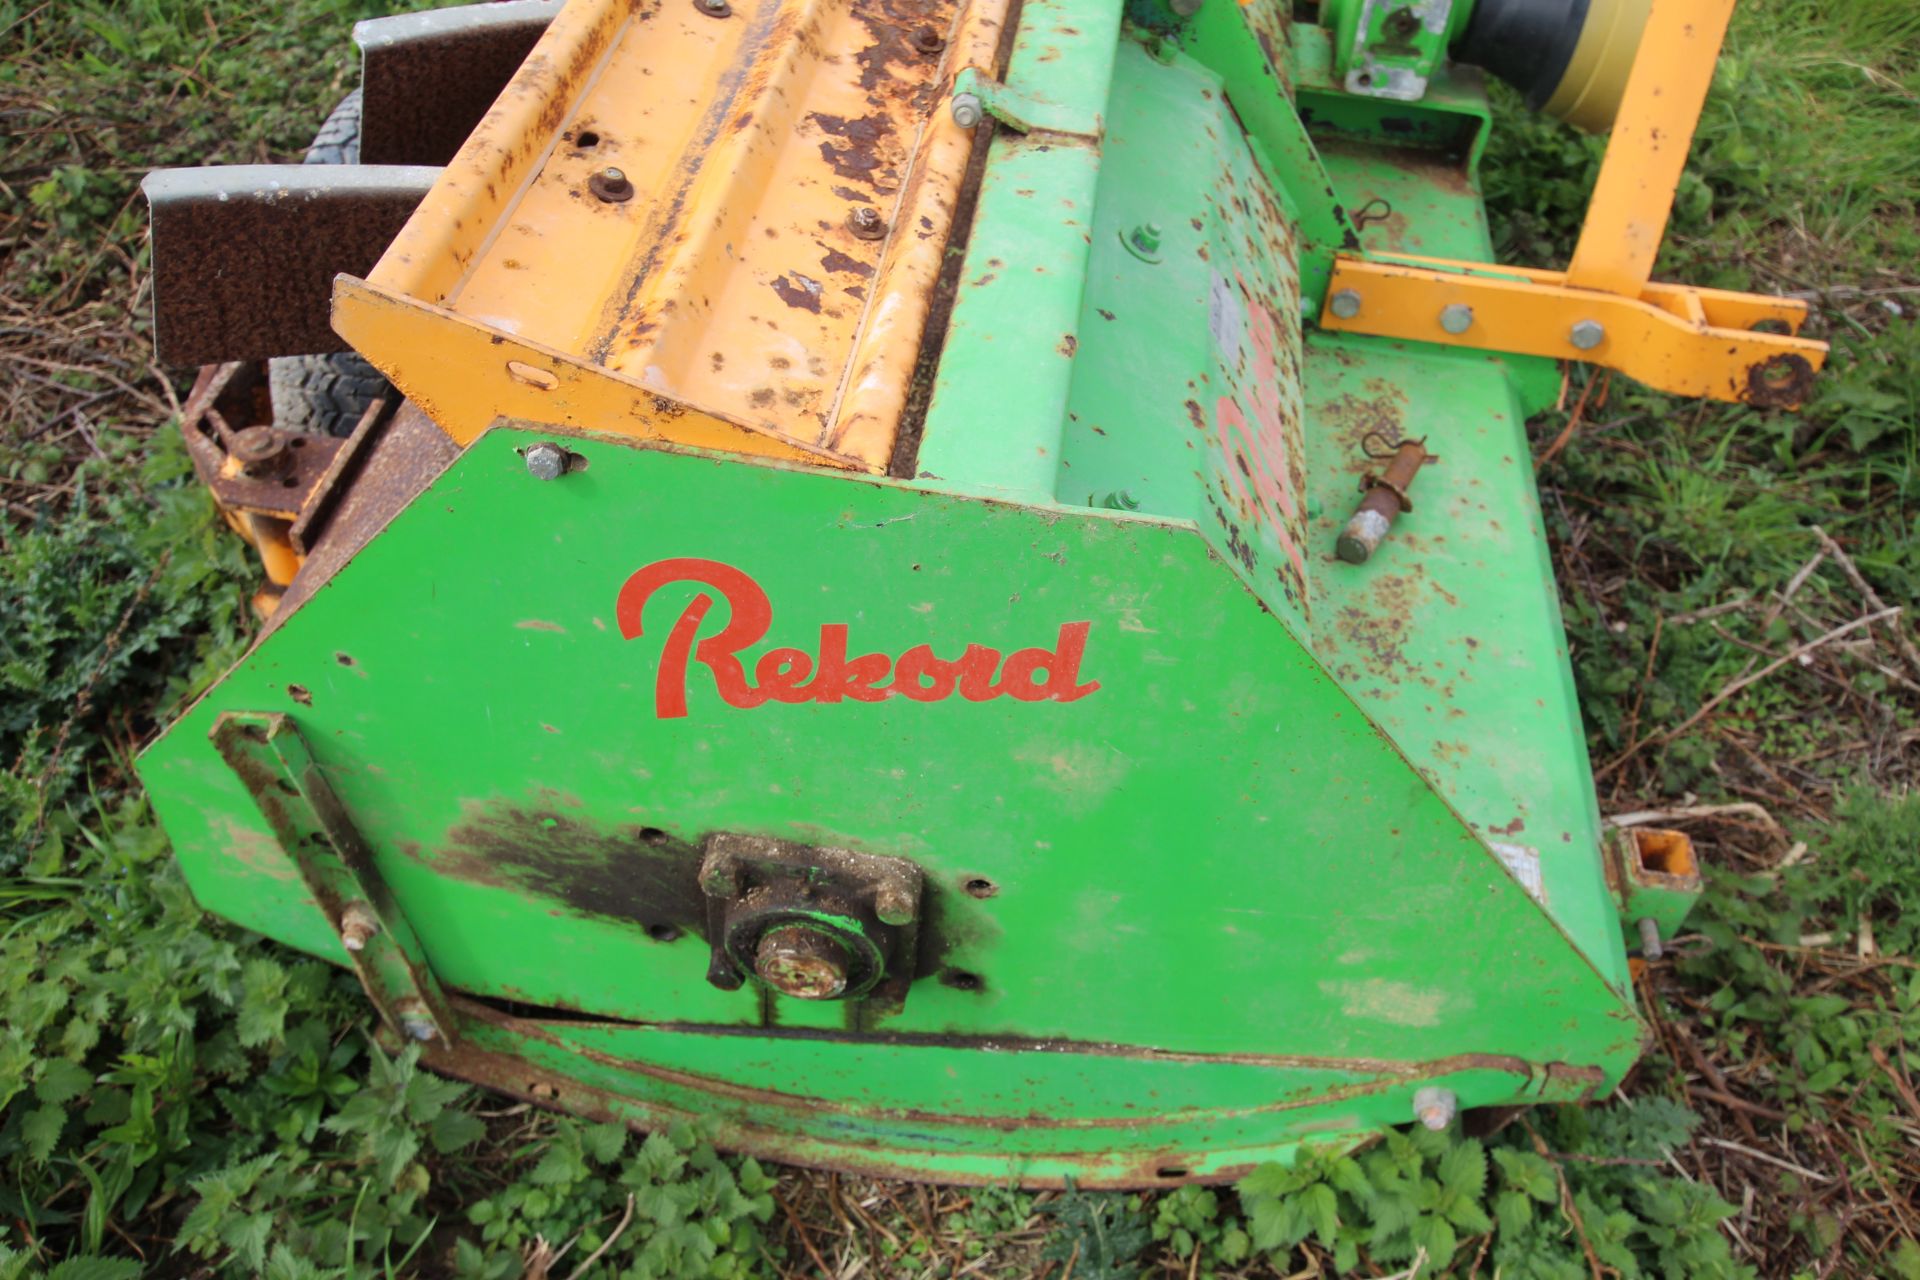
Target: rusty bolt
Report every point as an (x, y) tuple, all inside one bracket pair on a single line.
[(967, 109), (894, 905), (1386, 497), (261, 451), (546, 460), (927, 40), (800, 960), (1456, 317), (611, 185), (1435, 1108), (713, 8), (720, 878), (358, 924), (1650, 945), (866, 223), (1587, 334), (415, 1022), (1345, 303)]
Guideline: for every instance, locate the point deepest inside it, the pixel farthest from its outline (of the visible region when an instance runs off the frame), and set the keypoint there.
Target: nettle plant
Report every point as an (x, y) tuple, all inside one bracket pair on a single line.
[(1435, 1202)]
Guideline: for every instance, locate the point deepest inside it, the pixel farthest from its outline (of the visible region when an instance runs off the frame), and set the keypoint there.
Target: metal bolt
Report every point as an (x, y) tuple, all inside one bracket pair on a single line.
[(720, 878), (611, 185), (546, 460), (358, 924), (1587, 334), (866, 223), (1184, 8), (713, 8), (1145, 237), (415, 1022), (1650, 945), (1456, 317), (261, 452), (894, 905), (799, 960), (927, 40), (1435, 1108), (967, 109), (1345, 303)]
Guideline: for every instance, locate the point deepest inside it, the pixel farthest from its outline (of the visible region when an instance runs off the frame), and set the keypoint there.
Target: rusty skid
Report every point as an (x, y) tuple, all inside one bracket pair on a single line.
[(713, 223)]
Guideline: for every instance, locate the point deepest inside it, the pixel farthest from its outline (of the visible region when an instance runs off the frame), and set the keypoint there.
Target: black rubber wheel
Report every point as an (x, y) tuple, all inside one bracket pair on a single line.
[(327, 394)]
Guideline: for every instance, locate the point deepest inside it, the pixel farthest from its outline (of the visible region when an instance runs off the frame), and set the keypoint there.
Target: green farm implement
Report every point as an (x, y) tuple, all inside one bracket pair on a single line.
[(946, 588)]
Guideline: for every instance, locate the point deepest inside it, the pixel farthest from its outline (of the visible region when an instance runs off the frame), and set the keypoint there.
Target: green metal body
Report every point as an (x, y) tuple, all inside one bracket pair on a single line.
[(1289, 841)]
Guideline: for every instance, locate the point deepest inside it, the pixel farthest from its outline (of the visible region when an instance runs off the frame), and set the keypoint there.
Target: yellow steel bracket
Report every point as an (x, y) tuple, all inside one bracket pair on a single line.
[(1604, 308)]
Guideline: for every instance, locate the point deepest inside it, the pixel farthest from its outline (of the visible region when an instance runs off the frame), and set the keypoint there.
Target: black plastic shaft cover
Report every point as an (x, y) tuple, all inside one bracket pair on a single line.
[(1527, 43)]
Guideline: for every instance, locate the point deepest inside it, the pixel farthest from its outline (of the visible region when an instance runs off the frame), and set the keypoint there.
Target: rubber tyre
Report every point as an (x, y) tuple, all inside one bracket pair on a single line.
[(327, 394)]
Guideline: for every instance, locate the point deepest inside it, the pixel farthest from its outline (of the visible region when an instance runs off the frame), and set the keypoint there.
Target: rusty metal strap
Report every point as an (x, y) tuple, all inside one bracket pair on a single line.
[(271, 759), (244, 256)]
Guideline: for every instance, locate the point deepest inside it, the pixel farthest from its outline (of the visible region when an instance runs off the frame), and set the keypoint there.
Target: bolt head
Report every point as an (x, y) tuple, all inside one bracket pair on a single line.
[(721, 879), (1345, 303), (546, 461), (1184, 8), (611, 185), (894, 905), (967, 109), (1587, 334), (802, 961), (928, 40), (1456, 317), (358, 924), (866, 223), (713, 8), (1435, 1108)]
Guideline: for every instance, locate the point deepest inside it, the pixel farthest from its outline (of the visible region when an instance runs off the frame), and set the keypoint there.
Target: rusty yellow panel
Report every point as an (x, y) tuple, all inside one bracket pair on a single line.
[(1633, 196), (707, 219), (1692, 342), (464, 375)]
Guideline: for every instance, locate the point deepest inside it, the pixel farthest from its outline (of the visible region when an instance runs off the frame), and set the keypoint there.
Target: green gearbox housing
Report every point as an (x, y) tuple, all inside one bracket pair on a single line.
[(1055, 805)]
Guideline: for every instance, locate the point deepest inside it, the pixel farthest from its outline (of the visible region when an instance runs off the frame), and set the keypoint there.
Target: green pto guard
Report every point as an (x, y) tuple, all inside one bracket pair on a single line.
[(1126, 833)]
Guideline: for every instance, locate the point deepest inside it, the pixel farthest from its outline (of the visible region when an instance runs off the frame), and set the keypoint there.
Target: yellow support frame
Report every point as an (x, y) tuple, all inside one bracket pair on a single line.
[(1604, 308)]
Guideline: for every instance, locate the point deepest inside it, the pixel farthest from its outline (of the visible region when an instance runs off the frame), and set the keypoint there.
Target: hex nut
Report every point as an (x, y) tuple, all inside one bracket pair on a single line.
[(713, 8), (611, 185), (894, 905), (546, 460), (967, 109), (1345, 303), (1456, 317), (358, 924), (866, 223), (1435, 1108), (1587, 334)]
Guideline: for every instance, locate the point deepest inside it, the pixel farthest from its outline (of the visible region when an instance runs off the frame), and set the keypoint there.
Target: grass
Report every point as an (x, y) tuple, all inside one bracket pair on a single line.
[(178, 1097)]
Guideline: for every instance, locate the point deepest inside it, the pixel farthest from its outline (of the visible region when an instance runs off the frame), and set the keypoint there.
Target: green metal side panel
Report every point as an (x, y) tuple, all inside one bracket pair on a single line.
[(1213, 855)]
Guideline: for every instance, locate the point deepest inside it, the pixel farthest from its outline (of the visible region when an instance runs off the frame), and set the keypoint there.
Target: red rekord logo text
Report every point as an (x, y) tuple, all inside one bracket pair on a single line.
[(830, 673)]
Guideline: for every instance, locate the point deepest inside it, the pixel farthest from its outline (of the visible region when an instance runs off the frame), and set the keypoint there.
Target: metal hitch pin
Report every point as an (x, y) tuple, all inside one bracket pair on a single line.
[(1386, 497)]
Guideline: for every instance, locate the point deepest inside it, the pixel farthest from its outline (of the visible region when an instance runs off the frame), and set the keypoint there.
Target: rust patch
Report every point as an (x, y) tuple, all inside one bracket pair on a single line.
[(862, 139), (1779, 382), (838, 261), (799, 291)]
